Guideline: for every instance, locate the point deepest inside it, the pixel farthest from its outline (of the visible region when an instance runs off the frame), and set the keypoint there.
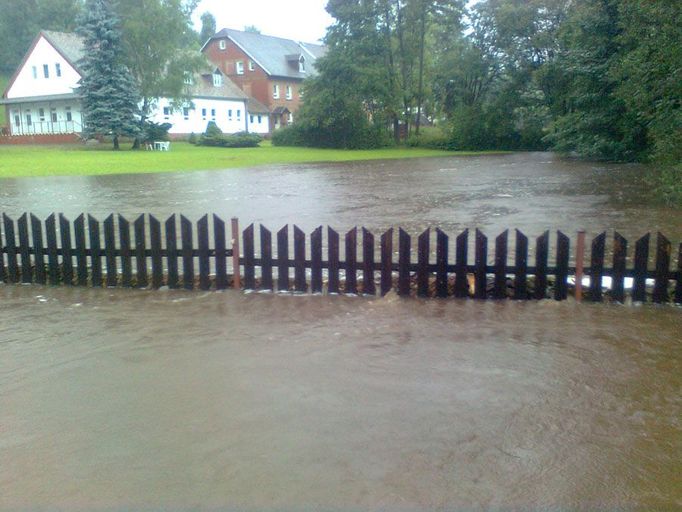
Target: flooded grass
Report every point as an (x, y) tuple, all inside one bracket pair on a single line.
[(79, 160)]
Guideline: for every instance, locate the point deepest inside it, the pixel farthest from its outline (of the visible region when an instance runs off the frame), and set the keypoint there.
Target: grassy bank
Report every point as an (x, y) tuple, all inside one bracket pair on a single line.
[(16, 161)]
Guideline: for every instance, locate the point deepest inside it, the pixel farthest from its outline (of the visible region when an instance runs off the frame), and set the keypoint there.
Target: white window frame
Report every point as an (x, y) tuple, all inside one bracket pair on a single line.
[(301, 64), (252, 67), (239, 67), (275, 91), (58, 69), (35, 72), (217, 80), (166, 112), (46, 70), (222, 44), (289, 92)]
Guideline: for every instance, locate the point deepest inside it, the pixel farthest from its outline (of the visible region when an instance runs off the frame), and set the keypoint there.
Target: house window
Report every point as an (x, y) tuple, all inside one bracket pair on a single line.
[(166, 112), (217, 79), (239, 114), (240, 67), (17, 120), (222, 44), (213, 114), (53, 115), (35, 72), (188, 79), (289, 95), (68, 114), (41, 114), (291, 119), (203, 114), (251, 119), (28, 120), (301, 65), (185, 113), (58, 69), (260, 119), (229, 114), (275, 91), (46, 70), (251, 66)]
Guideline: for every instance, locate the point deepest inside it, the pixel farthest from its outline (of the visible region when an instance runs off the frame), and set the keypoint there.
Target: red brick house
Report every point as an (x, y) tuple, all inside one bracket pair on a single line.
[(269, 69)]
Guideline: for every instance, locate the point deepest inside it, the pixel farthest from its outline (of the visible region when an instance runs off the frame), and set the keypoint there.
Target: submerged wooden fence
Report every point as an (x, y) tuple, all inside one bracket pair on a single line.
[(153, 254)]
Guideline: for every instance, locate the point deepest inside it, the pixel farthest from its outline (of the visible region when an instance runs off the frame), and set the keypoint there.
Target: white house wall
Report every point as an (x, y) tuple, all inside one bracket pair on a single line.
[(229, 115), (37, 118), (26, 85)]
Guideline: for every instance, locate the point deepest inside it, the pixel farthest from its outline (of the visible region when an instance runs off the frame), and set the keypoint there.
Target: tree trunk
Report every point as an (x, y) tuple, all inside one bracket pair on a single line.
[(116, 146), (420, 90)]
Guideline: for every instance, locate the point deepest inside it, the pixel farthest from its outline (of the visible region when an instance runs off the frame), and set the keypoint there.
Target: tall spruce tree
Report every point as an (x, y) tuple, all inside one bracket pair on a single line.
[(110, 97)]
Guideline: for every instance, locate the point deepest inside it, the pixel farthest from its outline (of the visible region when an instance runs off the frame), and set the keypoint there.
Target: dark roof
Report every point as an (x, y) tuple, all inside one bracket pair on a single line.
[(256, 107), (281, 110), (202, 87), (274, 54), (68, 44), (51, 97)]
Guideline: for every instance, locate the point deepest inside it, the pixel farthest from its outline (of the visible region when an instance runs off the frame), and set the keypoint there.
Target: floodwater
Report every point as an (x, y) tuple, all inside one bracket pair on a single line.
[(128, 399), (529, 191), (116, 399)]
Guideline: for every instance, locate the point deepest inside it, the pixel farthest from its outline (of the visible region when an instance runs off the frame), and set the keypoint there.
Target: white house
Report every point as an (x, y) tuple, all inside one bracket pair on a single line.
[(42, 96)]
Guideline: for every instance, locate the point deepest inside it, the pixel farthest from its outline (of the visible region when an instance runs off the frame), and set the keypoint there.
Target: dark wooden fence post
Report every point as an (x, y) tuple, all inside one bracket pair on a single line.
[(95, 252), (386, 261), (423, 250), (157, 258), (38, 250), (283, 259), (204, 262), (110, 251), (501, 243), (368, 287), (3, 277), (11, 248), (236, 269), (562, 256), (187, 253), (333, 260), (316, 260), (663, 250), (126, 252), (480, 274), (24, 250), (140, 252), (220, 245), (620, 245), (52, 250), (266, 258), (404, 249), (441, 264), (172, 252), (300, 284), (249, 258), (461, 262), (521, 267), (579, 265), (597, 267), (67, 253), (640, 270), (541, 255)]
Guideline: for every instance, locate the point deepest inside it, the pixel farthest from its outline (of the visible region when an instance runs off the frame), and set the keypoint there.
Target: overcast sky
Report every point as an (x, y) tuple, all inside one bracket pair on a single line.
[(301, 20)]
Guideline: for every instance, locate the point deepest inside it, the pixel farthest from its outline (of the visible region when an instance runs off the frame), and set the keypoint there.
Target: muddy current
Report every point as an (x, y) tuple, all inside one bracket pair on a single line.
[(122, 399)]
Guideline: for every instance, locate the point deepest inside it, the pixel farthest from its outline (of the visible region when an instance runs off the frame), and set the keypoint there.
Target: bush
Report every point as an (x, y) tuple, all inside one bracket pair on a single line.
[(289, 136), (192, 138), (238, 140), (155, 131), (431, 138)]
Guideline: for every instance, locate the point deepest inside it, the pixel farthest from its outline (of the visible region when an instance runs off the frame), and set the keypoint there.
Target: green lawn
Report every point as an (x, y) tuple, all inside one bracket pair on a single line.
[(80, 160)]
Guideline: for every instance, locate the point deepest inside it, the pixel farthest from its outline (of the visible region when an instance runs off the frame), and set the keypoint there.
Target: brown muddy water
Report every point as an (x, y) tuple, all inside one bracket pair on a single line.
[(115, 399), (122, 399)]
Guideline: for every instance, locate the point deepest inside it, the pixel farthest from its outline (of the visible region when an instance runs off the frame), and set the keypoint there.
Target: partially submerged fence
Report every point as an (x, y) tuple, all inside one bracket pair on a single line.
[(152, 254)]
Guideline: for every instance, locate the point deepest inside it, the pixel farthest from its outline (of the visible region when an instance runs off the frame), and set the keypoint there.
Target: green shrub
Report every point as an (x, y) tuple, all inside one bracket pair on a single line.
[(237, 140), (192, 138), (431, 138), (155, 131), (289, 136)]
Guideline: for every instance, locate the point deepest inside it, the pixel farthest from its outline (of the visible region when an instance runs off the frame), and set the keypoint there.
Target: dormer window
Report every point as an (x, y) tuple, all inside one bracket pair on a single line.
[(217, 79), (222, 44), (301, 64)]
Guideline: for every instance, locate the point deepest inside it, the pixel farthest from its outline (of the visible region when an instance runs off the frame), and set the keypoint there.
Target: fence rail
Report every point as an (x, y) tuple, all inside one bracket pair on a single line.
[(149, 253)]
